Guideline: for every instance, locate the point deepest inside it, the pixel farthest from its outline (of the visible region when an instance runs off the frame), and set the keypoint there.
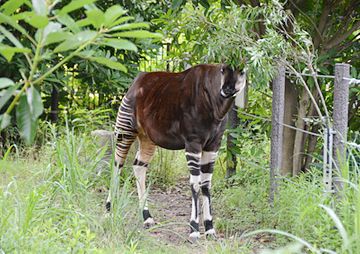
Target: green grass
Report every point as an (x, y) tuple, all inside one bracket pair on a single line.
[(52, 201)]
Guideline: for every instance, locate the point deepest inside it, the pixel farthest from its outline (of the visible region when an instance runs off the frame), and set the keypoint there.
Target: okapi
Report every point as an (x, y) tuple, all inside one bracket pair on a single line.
[(186, 110)]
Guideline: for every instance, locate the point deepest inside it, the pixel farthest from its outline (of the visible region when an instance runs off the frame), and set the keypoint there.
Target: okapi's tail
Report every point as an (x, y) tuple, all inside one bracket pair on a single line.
[(125, 131)]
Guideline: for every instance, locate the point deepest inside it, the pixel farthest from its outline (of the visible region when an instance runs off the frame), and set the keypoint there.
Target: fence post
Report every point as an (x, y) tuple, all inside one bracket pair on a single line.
[(278, 88), (234, 121), (340, 116)]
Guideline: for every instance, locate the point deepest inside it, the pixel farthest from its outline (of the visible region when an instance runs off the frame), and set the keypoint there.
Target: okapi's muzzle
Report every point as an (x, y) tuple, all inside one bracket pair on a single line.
[(233, 81)]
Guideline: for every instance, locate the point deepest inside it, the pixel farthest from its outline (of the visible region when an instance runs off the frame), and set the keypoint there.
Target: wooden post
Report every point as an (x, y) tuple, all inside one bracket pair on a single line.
[(278, 88), (234, 121), (340, 116)]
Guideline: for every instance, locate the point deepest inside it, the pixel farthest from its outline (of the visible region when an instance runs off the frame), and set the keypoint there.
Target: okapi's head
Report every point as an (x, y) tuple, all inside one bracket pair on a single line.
[(232, 81)]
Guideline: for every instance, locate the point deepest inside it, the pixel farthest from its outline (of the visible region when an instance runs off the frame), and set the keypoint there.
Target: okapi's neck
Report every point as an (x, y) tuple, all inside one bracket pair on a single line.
[(222, 106)]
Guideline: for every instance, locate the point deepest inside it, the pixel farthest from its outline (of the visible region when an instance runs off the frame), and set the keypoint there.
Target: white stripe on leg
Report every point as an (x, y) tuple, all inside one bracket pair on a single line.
[(206, 183), (195, 205), (140, 174), (208, 157)]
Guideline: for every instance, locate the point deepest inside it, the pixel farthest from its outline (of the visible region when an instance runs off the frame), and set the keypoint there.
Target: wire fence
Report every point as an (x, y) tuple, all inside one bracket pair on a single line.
[(333, 133), (315, 75), (283, 124)]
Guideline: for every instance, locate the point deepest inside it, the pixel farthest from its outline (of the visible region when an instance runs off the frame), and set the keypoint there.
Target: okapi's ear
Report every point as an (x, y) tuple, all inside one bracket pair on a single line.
[(222, 69)]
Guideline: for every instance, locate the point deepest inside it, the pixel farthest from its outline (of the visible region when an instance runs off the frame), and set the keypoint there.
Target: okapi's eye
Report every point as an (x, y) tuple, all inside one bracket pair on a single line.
[(222, 70)]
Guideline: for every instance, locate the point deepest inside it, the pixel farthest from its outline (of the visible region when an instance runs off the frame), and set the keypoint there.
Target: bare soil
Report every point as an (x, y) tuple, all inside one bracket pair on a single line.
[(171, 209)]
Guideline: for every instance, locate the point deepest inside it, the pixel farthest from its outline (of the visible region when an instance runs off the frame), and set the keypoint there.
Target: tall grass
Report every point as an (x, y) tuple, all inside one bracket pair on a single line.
[(303, 212), (53, 202)]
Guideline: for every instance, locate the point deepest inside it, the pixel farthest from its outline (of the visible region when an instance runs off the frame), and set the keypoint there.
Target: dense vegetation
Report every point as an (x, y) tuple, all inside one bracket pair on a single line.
[(64, 67)]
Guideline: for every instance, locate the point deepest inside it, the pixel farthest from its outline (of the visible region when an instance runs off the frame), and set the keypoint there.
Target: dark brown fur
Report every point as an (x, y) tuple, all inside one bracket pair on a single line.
[(173, 109)]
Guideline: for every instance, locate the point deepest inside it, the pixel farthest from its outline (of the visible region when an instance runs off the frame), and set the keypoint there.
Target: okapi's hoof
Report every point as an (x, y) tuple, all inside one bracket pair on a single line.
[(108, 206), (210, 234), (194, 236), (149, 222)]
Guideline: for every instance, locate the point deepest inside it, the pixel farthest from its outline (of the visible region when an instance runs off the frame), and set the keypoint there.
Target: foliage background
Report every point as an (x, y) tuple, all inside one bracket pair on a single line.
[(49, 191)]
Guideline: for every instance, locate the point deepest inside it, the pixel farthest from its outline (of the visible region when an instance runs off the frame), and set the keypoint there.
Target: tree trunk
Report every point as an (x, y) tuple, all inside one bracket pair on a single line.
[(299, 136), (291, 104), (233, 122), (54, 113), (312, 141)]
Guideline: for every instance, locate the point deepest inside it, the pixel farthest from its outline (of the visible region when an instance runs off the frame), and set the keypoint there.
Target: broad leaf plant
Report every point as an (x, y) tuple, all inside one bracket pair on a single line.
[(57, 36)]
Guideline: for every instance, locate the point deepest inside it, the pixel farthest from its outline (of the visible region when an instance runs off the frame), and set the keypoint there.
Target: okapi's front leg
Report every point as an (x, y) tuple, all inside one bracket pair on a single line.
[(193, 161), (206, 171)]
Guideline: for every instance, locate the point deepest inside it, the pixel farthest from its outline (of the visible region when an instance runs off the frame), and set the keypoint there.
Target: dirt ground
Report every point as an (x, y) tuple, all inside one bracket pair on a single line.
[(171, 210)]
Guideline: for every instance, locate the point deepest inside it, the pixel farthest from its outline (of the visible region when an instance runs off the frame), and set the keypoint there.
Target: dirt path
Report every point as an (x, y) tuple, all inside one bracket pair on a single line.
[(171, 210)]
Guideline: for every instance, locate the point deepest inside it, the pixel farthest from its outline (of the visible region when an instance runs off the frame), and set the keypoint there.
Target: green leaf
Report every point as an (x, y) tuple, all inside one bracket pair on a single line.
[(52, 27), (5, 82), (96, 16), (74, 5), (4, 121), (138, 34), (40, 7), (120, 44), (112, 13), (130, 26), (57, 37), (35, 20), (35, 102), (86, 54), (11, 37), (205, 4), (109, 63), (67, 21), (8, 52), (75, 41), (12, 22), (7, 95), (10, 6), (122, 20), (176, 4), (83, 22), (26, 123)]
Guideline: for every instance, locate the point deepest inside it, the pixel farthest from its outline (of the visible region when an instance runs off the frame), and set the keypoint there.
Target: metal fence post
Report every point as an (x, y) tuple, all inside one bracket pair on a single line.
[(328, 157), (340, 116), (278, 88)]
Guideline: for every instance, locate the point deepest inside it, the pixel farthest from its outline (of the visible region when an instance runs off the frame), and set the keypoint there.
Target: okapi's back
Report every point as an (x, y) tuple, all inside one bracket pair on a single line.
[(160, 100)]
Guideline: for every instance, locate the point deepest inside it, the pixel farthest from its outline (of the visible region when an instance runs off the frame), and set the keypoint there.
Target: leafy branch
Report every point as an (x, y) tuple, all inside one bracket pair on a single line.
[(62, 36)]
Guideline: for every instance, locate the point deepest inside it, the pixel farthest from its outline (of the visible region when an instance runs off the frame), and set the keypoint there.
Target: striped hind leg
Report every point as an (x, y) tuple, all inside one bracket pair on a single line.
[(141, 163), (125, 135)]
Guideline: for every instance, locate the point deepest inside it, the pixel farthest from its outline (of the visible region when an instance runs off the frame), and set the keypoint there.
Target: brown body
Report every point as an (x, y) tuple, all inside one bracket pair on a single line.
[(172, 109)]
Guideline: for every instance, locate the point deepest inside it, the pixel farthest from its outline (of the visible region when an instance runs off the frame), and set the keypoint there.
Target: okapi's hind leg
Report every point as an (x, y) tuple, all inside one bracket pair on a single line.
[(141, 163), (125, 135)]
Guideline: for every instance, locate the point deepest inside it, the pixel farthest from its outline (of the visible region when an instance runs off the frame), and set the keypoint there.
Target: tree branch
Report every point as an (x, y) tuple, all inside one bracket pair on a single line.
[(338, 38), (342, 47), (304, 14), (318, 37)]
